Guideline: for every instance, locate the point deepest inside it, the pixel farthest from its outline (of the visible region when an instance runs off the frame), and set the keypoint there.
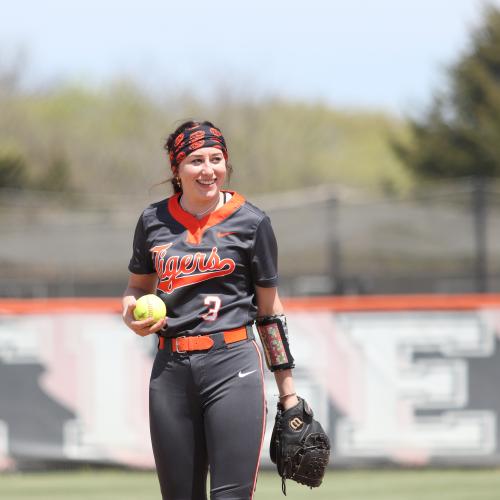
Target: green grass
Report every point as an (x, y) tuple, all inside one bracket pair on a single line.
[(338, 485)]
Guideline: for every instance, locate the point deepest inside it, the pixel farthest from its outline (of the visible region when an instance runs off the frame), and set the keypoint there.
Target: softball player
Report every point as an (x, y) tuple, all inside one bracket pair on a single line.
[(211, 256)]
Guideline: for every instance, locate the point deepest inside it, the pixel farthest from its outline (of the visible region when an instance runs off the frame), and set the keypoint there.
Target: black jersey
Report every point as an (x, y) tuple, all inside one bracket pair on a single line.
[(207, 269)]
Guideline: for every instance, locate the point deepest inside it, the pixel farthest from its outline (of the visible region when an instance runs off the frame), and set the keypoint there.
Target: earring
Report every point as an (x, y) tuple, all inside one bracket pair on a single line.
[(177, 181)]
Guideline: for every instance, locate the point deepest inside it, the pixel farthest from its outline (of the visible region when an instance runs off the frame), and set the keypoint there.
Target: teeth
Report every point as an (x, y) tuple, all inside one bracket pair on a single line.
[(211, 181)]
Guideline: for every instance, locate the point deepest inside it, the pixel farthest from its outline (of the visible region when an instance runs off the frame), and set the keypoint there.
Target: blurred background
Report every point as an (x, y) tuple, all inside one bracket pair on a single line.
[(368, 131)]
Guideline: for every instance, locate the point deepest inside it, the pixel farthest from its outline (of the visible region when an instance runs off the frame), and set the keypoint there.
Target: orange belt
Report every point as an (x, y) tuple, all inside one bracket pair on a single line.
[(202, 342)]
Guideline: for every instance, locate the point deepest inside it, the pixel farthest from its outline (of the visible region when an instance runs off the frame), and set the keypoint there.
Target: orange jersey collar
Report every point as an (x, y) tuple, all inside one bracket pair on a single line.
[(197, 227)]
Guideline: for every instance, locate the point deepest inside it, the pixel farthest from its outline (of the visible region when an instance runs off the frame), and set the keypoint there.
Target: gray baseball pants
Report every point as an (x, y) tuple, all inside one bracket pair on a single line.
[(207, 410)]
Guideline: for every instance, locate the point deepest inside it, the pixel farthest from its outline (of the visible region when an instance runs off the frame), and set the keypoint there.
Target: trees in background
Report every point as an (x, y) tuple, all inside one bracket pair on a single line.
[(459, 135), (13, 170), (110, 139)]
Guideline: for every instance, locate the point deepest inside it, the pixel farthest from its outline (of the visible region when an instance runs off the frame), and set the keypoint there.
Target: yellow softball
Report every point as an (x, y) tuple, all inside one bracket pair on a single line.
[(150, 306)]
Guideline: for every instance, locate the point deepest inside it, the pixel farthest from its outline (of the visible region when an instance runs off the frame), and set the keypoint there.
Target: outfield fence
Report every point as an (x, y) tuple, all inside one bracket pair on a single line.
[(401, 380), (332, 240)]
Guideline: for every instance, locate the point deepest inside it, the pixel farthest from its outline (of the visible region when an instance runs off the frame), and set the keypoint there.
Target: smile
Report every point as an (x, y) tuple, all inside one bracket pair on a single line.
[(206, 182)]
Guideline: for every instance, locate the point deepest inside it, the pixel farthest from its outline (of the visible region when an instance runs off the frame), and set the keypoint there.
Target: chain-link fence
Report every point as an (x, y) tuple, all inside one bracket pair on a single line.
[(331, 240)]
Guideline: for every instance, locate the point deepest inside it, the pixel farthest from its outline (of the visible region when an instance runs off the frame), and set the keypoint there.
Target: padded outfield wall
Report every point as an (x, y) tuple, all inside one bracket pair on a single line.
[(405, 380)]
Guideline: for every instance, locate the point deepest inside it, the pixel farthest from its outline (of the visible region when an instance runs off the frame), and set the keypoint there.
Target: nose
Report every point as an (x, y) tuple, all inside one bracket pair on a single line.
[(207, 165)]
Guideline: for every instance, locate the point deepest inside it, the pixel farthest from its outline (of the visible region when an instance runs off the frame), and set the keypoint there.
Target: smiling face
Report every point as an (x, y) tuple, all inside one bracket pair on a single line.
[(202, 174)]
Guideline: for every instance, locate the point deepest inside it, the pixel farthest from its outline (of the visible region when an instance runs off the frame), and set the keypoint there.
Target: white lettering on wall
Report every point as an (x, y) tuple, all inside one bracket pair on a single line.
[(416, 361)]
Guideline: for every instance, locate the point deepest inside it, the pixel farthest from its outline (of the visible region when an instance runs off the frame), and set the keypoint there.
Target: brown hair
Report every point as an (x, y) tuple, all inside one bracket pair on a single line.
[(169, 146)]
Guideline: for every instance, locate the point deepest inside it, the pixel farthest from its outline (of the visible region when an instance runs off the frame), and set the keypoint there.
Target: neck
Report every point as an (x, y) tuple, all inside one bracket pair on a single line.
[(200, 210)]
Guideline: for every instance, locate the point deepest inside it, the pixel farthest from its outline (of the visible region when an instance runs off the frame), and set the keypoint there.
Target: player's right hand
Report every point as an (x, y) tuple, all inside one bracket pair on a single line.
[(142, 327)]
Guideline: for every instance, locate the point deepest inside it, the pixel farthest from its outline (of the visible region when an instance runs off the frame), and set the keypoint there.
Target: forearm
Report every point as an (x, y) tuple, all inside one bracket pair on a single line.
[(137, 286), (132, 293), (286, 388)]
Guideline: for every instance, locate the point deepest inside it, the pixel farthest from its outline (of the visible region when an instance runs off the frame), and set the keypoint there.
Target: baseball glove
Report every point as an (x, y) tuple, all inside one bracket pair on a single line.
[(299, 446)]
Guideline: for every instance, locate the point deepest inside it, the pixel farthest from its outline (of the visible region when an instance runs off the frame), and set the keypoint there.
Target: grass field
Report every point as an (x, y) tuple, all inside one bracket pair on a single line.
[(338, 485)]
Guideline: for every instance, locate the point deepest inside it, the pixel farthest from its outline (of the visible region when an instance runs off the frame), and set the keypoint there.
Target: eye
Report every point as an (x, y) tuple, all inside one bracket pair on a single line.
[(196, 161), (216, 159)]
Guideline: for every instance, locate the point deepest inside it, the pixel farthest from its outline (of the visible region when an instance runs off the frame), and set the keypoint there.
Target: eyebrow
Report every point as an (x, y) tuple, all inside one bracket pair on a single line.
[(194, 155)]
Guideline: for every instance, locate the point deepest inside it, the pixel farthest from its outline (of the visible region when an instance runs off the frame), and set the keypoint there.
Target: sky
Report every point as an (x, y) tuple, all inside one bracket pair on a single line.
[(381, 54)]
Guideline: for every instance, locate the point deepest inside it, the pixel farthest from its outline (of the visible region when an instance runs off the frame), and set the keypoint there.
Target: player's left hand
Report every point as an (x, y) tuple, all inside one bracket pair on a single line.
[(299, 446)]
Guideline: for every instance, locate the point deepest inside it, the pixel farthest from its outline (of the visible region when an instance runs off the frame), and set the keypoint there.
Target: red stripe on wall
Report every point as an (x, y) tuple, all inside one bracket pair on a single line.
[(392, 302), (48, 306), (327, 303)]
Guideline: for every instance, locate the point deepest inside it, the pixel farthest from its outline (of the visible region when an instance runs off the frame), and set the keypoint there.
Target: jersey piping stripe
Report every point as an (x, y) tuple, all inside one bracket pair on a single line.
[(197, 227), (264, 414)]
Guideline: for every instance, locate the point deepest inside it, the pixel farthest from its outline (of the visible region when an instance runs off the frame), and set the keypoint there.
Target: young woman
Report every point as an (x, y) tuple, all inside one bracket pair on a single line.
[(211, 256)]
